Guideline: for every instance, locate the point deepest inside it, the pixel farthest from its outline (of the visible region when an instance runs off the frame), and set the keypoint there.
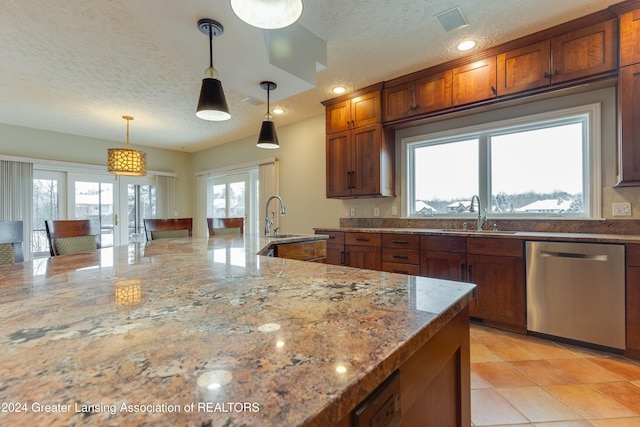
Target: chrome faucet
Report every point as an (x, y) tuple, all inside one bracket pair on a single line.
[(268, 222), (481, 218)]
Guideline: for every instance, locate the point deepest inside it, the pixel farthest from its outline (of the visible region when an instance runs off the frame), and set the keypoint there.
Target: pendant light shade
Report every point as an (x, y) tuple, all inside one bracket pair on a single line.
[(268, 137), (125, 161), (212, 104), (268, 14)]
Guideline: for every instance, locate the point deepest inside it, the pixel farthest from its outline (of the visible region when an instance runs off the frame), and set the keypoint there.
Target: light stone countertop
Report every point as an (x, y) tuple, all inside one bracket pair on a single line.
[(205, 332)]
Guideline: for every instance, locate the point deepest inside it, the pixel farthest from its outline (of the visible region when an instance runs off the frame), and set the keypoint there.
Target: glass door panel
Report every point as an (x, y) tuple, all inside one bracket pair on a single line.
[(96, 197)]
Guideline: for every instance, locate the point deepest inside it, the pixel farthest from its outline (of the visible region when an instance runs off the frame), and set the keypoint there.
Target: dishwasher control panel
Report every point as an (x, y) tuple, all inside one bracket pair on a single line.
[(382, 407)]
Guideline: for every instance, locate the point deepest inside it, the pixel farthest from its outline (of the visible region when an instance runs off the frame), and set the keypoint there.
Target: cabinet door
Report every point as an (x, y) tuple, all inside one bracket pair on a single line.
[(500, 293), (584, 52), (443, 265), (366, 109), (365, 176), (433, 93), (399, 102), (338, 117), (368, 257), (474, 82), (335, 254), (629, 122), (339, 164), (633, 299), (630, 38), (524, 68)]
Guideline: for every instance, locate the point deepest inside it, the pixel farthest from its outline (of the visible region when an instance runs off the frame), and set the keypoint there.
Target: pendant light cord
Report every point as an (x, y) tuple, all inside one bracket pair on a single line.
[(210, 47)]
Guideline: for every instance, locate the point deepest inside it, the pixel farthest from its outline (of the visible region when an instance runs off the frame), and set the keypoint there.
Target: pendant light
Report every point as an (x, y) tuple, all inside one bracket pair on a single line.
[(268, 14), (212, 104), (268, 137), (125, 161)]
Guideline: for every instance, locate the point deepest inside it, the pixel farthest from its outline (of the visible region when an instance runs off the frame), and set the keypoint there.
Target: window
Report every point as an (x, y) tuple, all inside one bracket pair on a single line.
[(234, 195), (529, 167), (141, 204)]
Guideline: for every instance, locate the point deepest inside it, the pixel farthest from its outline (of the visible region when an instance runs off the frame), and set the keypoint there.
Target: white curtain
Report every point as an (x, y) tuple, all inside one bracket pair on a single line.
[(268, 182), (16, 195), (200, 228), (166, 196)]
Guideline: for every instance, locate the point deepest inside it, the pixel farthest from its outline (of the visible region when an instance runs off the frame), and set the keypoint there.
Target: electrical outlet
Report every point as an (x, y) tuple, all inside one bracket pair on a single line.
[(394, 210), (376, 211), (346, 212), (353, 211), (621, 209)]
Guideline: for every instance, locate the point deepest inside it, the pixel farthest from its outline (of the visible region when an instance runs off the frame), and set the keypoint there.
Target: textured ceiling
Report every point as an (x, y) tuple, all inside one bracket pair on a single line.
[(77, 66)]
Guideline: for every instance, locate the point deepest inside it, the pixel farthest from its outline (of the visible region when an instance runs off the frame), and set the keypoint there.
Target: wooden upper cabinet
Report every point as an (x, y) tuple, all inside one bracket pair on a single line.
[(524, 68), (474, 82), (420, 96), (630, 38), (352, 113), (629, 123), (339, 164), (338, 116), (581, 53)]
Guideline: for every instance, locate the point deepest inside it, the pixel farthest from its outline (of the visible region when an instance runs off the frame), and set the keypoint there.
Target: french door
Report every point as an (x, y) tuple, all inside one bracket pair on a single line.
[(93, 196), (231, 196)]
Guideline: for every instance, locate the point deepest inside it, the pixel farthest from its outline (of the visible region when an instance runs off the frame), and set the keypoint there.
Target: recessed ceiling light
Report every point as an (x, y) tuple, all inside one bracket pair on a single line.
[(339, 89), (466, 45), (277, 110)]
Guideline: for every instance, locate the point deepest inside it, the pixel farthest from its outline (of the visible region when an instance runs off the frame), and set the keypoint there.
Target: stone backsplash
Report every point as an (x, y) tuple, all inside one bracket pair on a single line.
[(605, 226)]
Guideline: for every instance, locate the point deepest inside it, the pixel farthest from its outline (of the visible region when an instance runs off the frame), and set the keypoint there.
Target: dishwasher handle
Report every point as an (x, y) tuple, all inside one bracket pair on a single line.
[(574, 255)]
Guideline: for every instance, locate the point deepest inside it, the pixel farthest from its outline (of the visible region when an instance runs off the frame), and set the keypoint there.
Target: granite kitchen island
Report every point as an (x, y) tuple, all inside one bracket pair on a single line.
[(207, 332)]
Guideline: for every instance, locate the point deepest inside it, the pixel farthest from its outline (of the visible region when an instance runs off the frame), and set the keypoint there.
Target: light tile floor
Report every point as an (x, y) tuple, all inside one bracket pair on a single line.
[(525, 381)]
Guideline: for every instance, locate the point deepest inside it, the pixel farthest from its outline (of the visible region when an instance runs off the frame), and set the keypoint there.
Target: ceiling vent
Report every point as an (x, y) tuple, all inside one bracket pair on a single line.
[(253, 101), (452, 19)]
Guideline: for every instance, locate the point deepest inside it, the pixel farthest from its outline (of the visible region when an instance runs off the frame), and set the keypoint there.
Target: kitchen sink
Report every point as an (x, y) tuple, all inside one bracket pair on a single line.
[(460, 230)]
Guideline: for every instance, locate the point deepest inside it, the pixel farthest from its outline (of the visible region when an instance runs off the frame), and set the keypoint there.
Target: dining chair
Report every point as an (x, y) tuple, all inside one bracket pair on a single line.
[(225, 226), (167, 228), (73, 236), (11, 242)]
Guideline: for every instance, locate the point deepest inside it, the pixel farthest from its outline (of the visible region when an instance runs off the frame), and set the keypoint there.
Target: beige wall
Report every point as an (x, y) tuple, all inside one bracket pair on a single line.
[(37, 144), (302, 162)]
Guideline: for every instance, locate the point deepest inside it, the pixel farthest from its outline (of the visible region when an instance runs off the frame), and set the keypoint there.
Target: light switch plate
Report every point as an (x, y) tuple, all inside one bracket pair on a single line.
[(621, 209), (353, 211), (394, 210), (376, 211), (346, 211)]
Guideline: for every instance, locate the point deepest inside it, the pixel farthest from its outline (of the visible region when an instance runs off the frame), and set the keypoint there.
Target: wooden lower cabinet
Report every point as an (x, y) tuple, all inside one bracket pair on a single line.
[(496, 266), (633, 301), (302, 251), (360, 250), (444, 265), (500, 296)]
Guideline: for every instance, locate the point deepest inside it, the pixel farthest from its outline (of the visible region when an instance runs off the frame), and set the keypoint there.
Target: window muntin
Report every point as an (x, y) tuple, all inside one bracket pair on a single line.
[(553, 154)]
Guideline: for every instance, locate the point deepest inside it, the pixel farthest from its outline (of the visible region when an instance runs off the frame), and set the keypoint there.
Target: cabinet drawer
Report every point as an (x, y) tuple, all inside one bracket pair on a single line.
[(633, 255), (394, 267), (404, 241), (363, 239), (403, 256), (456, 244), (496, 247), (335, 237)]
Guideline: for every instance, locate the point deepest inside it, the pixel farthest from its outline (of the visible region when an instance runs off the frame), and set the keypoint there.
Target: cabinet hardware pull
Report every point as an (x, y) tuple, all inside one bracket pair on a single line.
[(346, 258), (547, 75), (493, 89), (400, 256), (342, 258), (557, 72), (362, 239), (400, 271), (404, 242), (353, 179), (470, 275)]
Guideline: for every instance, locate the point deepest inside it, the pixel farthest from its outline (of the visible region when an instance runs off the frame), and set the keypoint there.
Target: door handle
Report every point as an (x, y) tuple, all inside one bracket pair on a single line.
[(116, 219)]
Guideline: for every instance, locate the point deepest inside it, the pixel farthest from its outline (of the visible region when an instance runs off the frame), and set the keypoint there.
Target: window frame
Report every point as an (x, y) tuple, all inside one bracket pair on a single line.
[(592, 171)]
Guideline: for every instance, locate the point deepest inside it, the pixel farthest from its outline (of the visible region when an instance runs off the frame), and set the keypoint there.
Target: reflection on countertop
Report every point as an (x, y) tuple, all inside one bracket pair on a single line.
[(191, 331)]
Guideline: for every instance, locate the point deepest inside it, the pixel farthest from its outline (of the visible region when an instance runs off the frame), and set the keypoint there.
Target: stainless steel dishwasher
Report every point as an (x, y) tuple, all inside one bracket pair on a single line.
[(577, 291)]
